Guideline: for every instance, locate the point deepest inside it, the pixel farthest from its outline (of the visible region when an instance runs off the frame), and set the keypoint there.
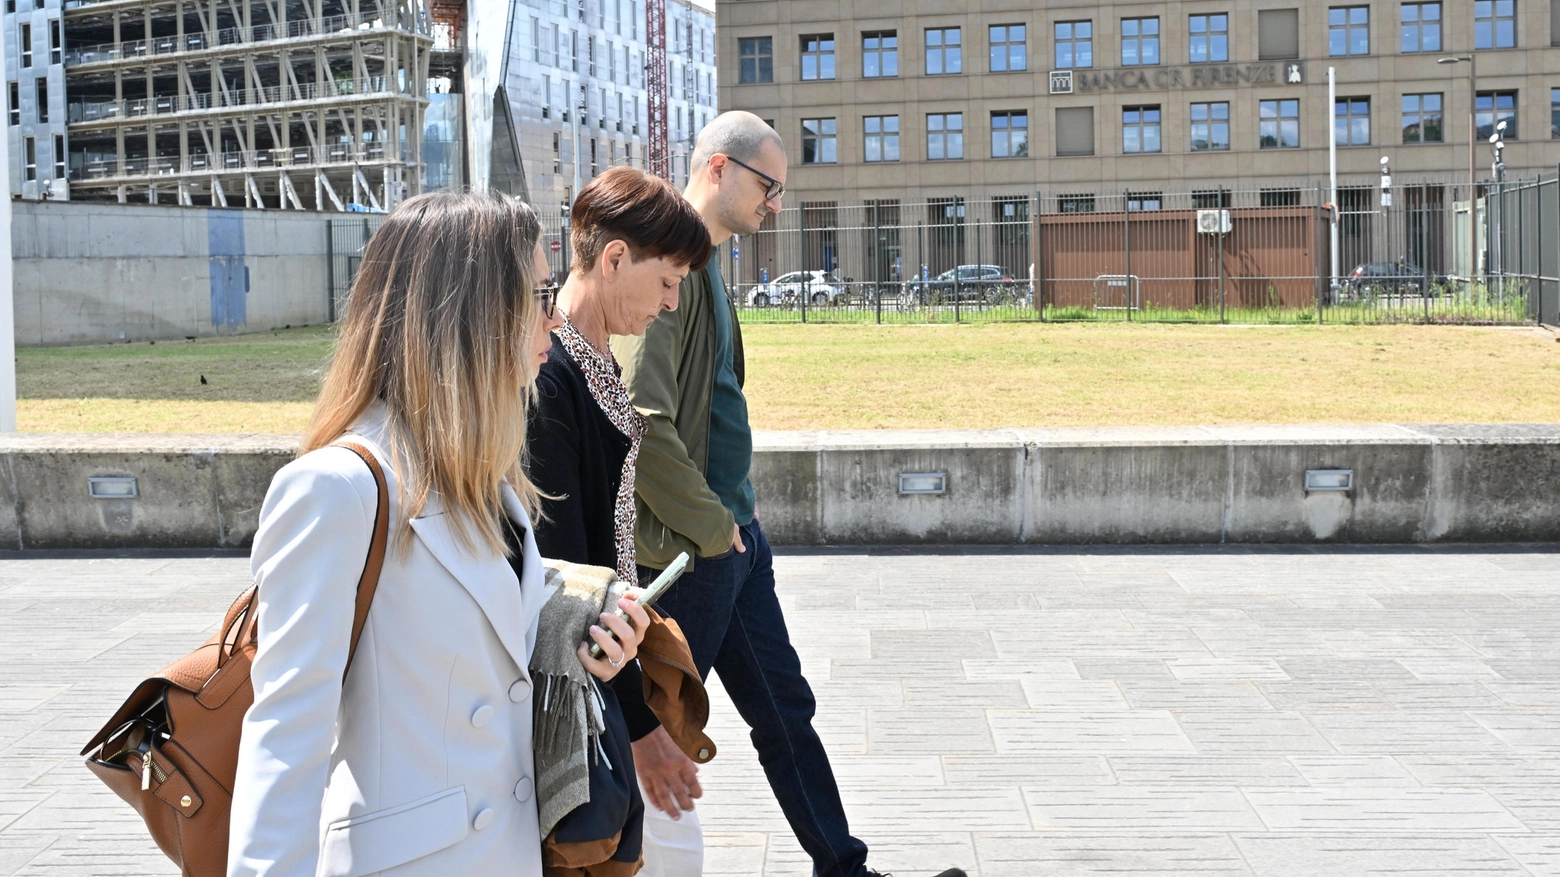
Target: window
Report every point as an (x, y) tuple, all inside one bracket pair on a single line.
[(1494, 24), (1075, 204), (1074, 44), (1421, 27), (30, 158), (25, 41), (590, 56), (1348, 30), (554, 45), (1010, 134), (1210, 126), (756, 60), (818, 141), (1140, 129), (557, 153), (59, 156), (1210, 38), (1279, 124), (880, 53), (944, 54), (42, 86), (1554, 113), (1074, 131), (1351, 121), (1493, 107), (574, 51), (56, 51), (536, 39), (1139, 41), (882, 138), (818, 56), (1210, 200), (15, 106), (1421, 118), (944, 136), (1279, 198), (1145, 200), (1008, 48), (1278, 34)]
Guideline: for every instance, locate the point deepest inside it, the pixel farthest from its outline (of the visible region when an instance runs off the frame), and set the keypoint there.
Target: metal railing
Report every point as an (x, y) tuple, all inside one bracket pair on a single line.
[(199, 42), (82, 111), (1211, 256), (226, 162)]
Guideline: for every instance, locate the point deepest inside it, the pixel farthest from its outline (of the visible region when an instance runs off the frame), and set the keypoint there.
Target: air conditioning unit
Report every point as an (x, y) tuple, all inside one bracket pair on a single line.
[(1214, 222)]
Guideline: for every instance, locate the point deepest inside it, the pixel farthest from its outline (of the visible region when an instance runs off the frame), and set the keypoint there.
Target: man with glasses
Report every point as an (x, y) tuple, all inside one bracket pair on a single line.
[(693, 494)]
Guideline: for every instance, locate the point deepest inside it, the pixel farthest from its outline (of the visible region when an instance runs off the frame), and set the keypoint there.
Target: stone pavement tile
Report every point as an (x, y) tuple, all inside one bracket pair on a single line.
[(1038, 668), (1450, 695), (877, 772), (19, 697), (944, 732), (911, 812), (1123, 668), (1378, 771), (1085, 695), (1310, 669), (1139, 808), (994, 770), (1402, 731), (1527, 694), (19, 848), (1482, 770), (1188, 613), (120, 851), (1182, 695), (1326, 694), (1205, 770), (1396, 644), (881, 694), (1156, 642), (1432, 855), (1527, 669), (1528, 733), (833, 640), (1350, 809), (1278, 643), (1509, 643), (963, 694), (1041, 854), (1535, 806), (917, 853), (910, 645), (1448, 669), (842, 731), (734, 854), (1538, 853), (1216, 668), (873, 670), (17, 803), (1147, 732), (1251, 733)]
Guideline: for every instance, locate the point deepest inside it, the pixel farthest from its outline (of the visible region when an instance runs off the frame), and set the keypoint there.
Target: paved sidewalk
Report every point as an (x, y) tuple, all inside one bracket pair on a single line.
[(1138, 711)]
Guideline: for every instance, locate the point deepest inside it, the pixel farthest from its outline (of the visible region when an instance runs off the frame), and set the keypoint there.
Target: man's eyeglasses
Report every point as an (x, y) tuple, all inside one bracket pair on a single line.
[(546, 299), (776, 188)]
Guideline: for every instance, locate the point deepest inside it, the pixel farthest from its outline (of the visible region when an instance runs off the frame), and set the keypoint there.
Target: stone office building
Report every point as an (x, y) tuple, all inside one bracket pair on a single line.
[(1078, 100)]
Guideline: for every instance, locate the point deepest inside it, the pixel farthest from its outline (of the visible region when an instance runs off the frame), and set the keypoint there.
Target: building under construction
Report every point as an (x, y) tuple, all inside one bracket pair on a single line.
[(293, 104)]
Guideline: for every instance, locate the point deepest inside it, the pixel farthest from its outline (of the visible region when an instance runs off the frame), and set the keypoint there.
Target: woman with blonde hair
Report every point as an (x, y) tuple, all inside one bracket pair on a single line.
[(418, 760)]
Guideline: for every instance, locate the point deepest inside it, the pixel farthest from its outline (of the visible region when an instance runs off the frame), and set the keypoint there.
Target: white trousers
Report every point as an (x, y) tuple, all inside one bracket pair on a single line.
[(672, 847)]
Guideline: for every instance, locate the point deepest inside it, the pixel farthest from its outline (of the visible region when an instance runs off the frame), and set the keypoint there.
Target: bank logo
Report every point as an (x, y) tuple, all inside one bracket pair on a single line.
[(1294, 73), (1061, 82)]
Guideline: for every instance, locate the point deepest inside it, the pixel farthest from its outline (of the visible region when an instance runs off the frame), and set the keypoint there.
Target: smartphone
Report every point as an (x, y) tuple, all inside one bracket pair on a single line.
[(655, 589)]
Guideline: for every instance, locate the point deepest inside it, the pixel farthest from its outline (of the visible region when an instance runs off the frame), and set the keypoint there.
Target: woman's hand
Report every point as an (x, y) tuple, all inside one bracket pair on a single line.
[(617, 651)]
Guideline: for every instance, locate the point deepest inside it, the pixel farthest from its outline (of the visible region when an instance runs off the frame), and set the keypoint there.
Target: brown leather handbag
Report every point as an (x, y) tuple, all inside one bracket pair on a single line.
[(172, 750)]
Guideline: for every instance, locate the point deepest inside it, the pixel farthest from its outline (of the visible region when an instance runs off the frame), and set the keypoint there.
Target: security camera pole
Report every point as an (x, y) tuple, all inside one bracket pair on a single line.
[(7, 304)]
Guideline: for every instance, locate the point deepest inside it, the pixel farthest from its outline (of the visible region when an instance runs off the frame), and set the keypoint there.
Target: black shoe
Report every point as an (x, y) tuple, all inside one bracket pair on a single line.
[(951, 872)]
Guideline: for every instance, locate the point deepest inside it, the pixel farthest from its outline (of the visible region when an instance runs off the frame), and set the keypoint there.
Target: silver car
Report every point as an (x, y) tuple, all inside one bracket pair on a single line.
[(788, 289)]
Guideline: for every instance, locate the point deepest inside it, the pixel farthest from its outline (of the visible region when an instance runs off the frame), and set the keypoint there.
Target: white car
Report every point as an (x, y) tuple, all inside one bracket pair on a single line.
[(787, 289)]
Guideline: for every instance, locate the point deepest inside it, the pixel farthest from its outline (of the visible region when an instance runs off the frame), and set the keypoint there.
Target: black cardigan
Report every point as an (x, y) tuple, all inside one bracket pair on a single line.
[(575, 455)]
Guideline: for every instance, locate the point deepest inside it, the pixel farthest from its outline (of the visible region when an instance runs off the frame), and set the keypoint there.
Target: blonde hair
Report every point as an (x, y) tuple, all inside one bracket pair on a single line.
[(438, 327)]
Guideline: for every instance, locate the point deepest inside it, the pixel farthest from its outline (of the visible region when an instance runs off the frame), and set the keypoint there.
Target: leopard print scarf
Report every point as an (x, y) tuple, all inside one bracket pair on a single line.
[(604, 378)]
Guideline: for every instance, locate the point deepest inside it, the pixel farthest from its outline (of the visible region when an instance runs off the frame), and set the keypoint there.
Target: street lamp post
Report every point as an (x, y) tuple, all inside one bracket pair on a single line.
[(1473, 136)]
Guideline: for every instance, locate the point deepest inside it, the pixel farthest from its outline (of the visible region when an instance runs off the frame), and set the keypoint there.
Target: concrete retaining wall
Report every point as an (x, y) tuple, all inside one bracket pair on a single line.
[(90, 273), (1194, 485)]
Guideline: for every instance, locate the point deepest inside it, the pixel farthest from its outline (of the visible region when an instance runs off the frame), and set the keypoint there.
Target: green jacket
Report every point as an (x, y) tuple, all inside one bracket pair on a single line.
[(670, 373)]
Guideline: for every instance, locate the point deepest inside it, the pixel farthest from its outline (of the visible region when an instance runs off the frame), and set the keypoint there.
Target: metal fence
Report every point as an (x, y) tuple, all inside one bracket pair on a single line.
[(344, 242), (1426, 253)]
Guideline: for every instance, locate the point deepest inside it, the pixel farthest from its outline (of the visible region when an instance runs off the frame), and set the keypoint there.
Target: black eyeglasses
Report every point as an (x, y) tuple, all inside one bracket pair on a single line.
[(547, 299), (776, 188)]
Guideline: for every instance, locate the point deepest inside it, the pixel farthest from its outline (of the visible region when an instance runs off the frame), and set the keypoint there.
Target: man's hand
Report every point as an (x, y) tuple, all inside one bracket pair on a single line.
[(669, 778), (736, 539)]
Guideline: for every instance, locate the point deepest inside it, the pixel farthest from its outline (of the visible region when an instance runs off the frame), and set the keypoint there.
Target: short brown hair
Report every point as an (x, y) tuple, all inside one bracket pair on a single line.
[(643, 211)]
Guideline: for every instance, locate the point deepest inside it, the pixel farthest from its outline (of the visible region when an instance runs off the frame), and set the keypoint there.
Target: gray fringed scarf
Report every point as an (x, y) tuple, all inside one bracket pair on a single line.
[(566, 705)]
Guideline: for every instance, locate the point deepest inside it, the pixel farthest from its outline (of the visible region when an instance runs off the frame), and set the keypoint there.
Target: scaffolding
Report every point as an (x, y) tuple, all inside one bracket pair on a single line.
[(290, 104)]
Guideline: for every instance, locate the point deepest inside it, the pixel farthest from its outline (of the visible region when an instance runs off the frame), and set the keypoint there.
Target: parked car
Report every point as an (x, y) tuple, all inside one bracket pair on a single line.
[(819, 288), (1371, 279), (988, 284)]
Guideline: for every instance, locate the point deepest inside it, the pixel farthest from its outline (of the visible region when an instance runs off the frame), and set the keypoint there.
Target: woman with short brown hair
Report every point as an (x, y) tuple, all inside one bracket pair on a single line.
[(419, 760)]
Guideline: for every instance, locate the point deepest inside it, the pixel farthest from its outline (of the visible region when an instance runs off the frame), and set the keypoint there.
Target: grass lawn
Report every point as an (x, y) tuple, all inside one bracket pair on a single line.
[(863, 377)]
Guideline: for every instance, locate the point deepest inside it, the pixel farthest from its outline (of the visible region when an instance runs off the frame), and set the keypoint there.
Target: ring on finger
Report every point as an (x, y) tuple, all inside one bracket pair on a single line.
[(619, 661)]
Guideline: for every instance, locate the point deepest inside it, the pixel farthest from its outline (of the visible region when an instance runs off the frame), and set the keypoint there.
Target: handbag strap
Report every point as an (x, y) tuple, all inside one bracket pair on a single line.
[(369, 582)]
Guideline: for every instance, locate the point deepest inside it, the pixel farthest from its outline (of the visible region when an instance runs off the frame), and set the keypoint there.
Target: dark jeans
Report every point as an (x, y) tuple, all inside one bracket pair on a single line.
[(729, 612)]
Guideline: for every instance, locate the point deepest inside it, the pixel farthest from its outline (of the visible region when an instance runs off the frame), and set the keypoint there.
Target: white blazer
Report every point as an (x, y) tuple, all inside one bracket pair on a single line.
[(421, 763)]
